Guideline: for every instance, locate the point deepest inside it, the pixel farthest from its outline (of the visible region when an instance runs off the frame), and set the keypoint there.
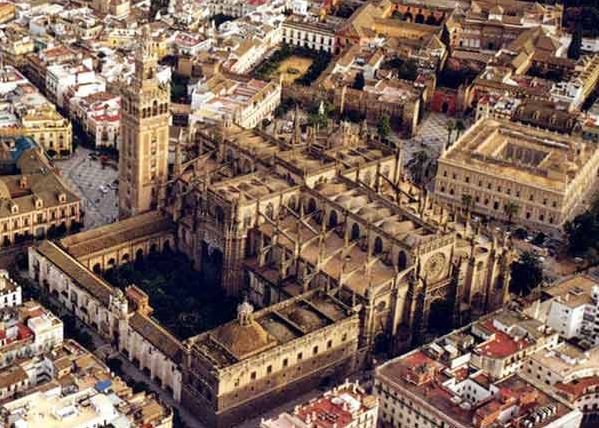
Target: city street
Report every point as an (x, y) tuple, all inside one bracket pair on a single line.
[(94, 184), (364, 378), (104, 350)]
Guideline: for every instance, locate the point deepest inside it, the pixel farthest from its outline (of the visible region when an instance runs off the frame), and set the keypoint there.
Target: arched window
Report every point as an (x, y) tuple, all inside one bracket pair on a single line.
[(219, 214), (311, 205), (378, 245), (402, 260), (355, 231), (292, 203), (270, 211), (333, 219), (229, 157)]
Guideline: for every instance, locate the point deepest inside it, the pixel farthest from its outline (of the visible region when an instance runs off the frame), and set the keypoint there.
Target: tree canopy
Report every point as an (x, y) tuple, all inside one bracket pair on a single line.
[(583, 232), (384, 126), (422, 167), (527, 273), (359, 81), (185, 301), (575, 43)]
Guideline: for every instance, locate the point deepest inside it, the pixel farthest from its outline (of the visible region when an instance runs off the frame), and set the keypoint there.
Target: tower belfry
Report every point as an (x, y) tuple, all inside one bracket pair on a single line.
[(143, 160)]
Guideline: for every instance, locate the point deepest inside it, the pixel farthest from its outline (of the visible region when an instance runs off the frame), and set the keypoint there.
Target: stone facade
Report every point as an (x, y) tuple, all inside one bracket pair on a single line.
[(132, 239), (501, 165), (143, 159), (38, 202), (110, 313), (321, 230), (249, 365), (337, 215), (310, 35)]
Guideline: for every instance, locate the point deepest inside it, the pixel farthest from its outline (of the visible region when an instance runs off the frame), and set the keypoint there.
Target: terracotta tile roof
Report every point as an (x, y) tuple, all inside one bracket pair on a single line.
[(12, 376), (112, 235), (42, 183), (157, 336), (82, 276), (579, 387), (502, 345)]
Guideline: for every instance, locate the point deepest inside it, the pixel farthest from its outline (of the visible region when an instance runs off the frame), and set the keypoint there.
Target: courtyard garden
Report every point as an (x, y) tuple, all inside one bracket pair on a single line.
[(296, 65), (185, 301), (293, 68)]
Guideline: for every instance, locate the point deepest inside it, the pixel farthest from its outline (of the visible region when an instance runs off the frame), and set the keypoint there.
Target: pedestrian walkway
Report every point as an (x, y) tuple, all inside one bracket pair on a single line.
[(87, 177)]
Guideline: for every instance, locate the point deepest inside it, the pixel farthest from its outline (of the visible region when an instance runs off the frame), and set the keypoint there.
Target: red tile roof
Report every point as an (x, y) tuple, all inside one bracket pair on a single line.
[(500, 345)]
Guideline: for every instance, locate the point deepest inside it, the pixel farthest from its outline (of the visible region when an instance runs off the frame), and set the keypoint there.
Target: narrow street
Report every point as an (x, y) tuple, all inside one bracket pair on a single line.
[(104, 350), (134, 373)]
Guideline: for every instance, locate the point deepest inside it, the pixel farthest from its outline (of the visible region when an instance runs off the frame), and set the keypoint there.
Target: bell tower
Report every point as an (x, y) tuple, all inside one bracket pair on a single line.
[(143, 157)]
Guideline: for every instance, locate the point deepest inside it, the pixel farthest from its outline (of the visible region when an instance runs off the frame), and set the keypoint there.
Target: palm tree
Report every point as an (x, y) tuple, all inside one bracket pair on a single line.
[(467, 203), (511, 209), (459, 127), (419, 166), (450, 127)]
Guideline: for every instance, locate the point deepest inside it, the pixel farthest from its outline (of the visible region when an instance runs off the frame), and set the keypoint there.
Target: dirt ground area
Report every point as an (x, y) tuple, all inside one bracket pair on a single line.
[(294, 63)]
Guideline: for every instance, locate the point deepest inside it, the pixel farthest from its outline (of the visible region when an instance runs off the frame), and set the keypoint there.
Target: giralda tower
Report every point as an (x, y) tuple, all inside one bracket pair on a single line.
[(143, 157)]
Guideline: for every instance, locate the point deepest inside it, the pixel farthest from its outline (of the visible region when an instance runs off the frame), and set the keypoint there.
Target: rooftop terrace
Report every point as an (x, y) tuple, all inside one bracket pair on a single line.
[(521, 153)]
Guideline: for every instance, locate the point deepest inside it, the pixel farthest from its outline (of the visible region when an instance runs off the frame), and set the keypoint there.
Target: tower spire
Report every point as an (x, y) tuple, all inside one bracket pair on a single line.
[(143, 161), (297, 134), (178, 156)]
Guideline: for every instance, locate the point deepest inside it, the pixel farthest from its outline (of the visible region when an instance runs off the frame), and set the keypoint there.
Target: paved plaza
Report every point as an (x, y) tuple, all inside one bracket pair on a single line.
[(431, 135), (86, 176)]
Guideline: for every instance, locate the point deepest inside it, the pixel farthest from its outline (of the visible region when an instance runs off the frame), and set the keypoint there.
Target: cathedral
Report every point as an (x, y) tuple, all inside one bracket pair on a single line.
[(335, 253), (333, 210)]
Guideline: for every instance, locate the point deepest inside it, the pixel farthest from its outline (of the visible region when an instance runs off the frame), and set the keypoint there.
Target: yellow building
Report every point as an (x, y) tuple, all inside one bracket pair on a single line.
[(7, 12), (33, 200), (16, 45), (52, 131), (117, 8), (510, 171)]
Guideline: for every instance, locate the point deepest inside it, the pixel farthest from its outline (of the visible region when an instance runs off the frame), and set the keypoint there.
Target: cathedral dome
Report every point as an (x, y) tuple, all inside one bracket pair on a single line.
[(244, 340), (245, 336)]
